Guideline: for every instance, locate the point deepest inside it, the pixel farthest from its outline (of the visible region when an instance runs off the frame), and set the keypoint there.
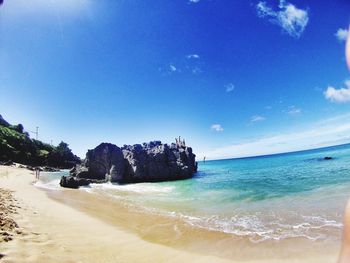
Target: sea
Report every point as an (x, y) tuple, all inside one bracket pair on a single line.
[(273, 197)]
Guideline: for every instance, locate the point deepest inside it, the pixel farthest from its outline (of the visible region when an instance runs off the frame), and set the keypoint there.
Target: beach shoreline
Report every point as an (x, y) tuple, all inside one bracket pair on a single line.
[(75, 226)]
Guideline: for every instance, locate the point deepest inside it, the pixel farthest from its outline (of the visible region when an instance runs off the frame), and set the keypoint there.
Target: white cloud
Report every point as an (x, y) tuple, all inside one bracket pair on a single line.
[(292, 110), (195, 56), (194, 1), (341, 95), (257, 118), (326, 132), (342, 34), (217, 127), (196, 70), (169, 69), (172, 68), (229, 87), (193, 64), (181, 67), (292, 19)]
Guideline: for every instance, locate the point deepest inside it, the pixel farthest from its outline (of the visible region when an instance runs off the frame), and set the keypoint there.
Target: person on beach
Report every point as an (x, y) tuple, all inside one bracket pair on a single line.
[(37, 173)]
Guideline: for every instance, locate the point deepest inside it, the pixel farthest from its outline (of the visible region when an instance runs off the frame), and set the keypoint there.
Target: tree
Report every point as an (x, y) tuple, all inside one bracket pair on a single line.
[(62, 156), (19, 128)]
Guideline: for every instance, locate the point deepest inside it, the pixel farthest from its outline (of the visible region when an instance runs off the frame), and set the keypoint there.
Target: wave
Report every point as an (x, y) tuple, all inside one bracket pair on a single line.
[(256, 227), (253, 227), (50, 180), (259, 221), (142, 188), (51, 185)]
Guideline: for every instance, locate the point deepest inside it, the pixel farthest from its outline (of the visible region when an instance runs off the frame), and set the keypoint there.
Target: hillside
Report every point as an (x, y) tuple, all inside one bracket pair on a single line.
[(17, 146)]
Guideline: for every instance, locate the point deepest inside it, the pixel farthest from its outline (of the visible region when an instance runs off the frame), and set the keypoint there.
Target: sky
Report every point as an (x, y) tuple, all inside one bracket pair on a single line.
[(234, 78)]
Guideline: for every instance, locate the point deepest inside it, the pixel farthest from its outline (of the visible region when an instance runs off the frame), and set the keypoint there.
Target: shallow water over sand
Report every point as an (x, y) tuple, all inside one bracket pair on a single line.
[(271, 198)]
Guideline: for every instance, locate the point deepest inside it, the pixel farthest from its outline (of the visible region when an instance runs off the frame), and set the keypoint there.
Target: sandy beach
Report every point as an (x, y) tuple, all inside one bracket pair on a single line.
[(74, 226)]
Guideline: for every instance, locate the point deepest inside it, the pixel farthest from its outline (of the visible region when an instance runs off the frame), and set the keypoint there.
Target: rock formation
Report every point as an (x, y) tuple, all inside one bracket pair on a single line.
[(73, 182), (105, 160), (149, 162), (328, 158)]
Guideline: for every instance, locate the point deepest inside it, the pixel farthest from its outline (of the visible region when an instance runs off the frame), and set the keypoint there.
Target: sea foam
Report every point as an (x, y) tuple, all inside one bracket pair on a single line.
[(143, 188), (264, 198)]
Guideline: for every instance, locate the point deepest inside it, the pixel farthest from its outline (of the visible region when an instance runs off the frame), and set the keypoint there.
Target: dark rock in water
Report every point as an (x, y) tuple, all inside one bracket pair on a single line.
[(69, 182), (328, 158), (73, 182), (149, 162)]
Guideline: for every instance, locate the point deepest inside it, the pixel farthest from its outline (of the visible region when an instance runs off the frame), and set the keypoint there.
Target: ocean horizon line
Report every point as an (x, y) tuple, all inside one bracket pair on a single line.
[(275, 154)]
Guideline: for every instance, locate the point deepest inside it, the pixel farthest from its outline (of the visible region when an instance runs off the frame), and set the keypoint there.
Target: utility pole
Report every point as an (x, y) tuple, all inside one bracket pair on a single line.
[(37, 132)]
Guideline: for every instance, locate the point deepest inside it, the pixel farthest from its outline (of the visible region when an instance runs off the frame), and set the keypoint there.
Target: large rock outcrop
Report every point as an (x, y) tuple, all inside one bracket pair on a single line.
[(106, 160), (149, 162), (158, 162)]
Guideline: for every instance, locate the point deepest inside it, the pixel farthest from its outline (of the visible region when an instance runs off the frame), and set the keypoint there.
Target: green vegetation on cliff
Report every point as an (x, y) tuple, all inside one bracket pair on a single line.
[(17, 146)]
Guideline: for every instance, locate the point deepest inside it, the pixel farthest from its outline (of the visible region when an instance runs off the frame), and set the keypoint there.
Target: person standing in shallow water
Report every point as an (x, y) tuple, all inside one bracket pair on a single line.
[(37, 173)]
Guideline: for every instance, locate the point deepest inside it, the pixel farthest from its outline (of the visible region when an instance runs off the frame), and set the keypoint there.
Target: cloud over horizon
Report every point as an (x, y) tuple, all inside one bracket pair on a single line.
[(291, 19), (341, 95), (324, 133)]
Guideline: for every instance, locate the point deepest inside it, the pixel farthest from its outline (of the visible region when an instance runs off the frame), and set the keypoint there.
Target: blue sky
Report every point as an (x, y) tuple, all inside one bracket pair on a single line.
[(234, 78)]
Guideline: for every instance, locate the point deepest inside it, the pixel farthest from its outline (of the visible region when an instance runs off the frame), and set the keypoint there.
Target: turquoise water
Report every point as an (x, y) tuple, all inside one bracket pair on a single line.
[(263, 198)]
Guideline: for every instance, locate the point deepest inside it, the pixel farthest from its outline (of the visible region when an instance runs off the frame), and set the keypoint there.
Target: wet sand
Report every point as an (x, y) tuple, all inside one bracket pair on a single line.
[(75, 226)]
